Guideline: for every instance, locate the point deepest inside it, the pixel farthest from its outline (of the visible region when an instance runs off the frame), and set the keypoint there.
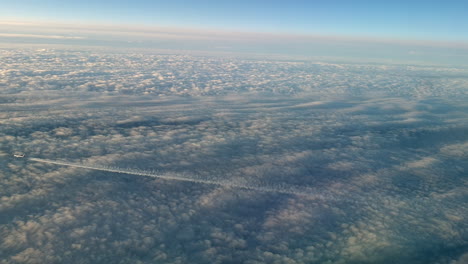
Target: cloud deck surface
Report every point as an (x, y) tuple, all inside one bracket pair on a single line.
[(386, 142)]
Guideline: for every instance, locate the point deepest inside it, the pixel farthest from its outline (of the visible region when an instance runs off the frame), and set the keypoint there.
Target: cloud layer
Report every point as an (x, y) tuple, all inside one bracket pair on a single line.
[(386, 145), (196, 40)]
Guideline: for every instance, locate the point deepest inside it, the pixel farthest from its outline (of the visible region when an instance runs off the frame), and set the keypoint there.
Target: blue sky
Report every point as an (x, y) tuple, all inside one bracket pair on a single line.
[(431, 20)]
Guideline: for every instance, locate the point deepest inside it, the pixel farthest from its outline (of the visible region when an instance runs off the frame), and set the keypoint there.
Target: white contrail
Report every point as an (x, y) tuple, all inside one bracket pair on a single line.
[(282, 189)]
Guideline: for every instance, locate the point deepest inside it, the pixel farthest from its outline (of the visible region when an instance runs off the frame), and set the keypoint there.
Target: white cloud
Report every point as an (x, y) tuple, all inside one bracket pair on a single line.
[(19, 35), (387, 189)]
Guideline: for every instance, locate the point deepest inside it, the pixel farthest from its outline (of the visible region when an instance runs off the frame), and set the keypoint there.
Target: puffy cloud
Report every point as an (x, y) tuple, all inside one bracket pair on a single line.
[(167, 75), (387, 172)]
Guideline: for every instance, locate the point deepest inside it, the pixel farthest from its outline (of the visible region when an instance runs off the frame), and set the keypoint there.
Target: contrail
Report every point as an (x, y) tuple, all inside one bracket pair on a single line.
[(282, 189)]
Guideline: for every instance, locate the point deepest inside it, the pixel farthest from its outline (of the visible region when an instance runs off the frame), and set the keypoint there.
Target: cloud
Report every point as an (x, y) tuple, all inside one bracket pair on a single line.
[(208, 41), (456, 150), (165, 75), (422, 163), (19, 35), (200, 33), (386, 188)]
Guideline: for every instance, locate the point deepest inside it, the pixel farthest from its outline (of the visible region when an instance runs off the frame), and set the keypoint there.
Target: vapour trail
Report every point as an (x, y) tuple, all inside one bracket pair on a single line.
[(175, 177)]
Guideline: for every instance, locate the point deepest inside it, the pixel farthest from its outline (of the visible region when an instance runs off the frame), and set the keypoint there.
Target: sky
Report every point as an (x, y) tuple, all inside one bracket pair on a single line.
[(422, 20), (352, 116)]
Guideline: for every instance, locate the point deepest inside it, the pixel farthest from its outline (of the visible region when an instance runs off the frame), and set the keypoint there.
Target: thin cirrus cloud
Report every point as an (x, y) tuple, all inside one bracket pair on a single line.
[(208, 40), (19, 35), (208, 34)]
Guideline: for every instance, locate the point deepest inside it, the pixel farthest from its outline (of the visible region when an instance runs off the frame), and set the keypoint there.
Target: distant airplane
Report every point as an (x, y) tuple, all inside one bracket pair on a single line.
[(18, 155)]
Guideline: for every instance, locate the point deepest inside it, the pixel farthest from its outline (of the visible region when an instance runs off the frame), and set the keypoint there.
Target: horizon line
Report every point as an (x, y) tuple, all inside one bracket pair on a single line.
[(204, 33)]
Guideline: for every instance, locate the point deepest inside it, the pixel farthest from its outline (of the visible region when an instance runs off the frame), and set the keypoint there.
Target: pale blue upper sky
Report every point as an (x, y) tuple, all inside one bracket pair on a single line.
[(410, 19)]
